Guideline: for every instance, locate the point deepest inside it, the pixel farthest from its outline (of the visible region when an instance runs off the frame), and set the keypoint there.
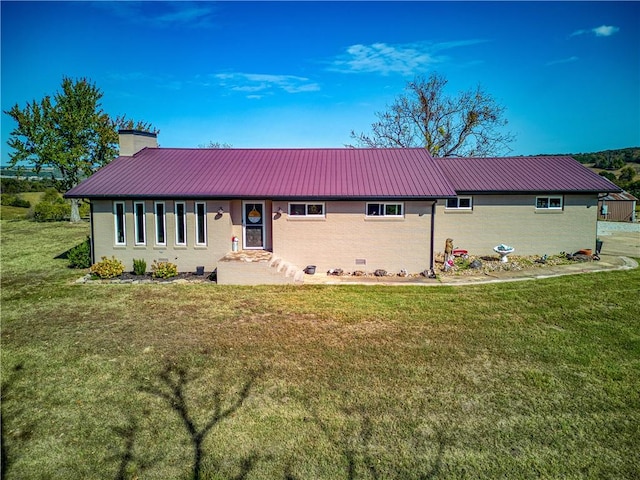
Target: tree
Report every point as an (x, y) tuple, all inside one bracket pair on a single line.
[(608, 176), (69, 133), (469, 124), (213, 144), (627, 174)]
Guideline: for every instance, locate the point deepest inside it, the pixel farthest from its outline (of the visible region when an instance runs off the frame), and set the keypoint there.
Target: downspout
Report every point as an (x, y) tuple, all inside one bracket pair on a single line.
[(433, 228), (91, 241)]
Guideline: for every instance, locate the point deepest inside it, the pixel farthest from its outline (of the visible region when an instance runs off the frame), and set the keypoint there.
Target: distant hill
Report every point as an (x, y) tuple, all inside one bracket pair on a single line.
[(29, 173), (609, 159)]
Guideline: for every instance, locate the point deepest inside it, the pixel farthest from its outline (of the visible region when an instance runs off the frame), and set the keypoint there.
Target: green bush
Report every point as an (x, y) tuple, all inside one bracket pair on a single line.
[(108, 268), (51, 212), (51, 208), (80, 255), (10, 200), (164, 269), (462, 263), (51, 195), (85, 210), (139, 266)]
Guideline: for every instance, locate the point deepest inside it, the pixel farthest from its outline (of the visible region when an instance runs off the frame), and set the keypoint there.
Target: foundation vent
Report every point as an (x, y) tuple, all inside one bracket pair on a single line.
[(361, 261)]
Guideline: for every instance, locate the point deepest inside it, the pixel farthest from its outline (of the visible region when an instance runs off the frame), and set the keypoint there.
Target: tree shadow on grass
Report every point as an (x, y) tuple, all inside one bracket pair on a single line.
[(357, 446), (128, 459), (171, 387), (25, 433)]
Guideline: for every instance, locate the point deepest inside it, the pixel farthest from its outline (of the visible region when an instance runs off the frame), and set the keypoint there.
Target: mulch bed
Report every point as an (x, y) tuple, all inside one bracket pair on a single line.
[(491, 264), (129, 277)]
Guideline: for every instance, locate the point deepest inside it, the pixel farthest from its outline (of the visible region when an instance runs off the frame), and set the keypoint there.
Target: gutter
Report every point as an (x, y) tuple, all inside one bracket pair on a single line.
[(431, 250), (278, 198)]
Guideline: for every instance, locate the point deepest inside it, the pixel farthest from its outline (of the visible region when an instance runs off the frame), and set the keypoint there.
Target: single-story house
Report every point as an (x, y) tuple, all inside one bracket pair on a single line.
[(617, 207), (354, 209)]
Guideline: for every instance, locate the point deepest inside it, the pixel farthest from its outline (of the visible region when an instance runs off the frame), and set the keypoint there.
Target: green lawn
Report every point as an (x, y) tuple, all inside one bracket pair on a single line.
[(18, 213), (525, 380)]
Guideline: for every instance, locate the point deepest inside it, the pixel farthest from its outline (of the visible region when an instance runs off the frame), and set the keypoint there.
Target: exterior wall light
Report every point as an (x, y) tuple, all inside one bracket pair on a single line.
[(220, 211), (280, 212)]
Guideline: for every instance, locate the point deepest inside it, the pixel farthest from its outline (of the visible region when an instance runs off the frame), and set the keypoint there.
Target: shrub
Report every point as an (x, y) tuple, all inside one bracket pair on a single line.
[(108, 268), (164, 269), (85, 210), (9, 200), (51, 195), (80, 255), (462, 263), (139, 266), (51, 212), (51, 208)]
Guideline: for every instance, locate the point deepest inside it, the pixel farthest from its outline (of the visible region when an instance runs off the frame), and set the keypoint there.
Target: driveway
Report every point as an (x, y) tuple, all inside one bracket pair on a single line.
[(620, 239)]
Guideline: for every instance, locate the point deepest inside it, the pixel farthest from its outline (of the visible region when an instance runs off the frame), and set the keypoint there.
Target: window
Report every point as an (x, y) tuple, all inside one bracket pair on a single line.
[(384, 209), (139, 225), (161, 230), (201, 223), (306, 209), (181, 223), (463, 203), (119, 219), (549, 203)]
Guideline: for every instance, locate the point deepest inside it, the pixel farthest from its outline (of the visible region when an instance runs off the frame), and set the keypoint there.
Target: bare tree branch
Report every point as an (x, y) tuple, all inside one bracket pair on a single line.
[(469, 124)]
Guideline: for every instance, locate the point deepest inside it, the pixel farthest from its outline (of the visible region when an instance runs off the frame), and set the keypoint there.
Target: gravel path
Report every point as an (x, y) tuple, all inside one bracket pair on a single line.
[(607, 228)]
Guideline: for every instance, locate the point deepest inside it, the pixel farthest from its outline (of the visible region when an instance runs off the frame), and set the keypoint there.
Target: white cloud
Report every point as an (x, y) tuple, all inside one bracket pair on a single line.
[(265, 83), (195, 16), (605, 30), (563, 60), (601, 31), (163, 14), (385, 59)]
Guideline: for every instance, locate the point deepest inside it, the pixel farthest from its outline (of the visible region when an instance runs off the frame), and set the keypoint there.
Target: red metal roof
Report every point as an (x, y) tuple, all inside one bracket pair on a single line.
[(269, 173), (620, 197), (331, 173), (522, 174)]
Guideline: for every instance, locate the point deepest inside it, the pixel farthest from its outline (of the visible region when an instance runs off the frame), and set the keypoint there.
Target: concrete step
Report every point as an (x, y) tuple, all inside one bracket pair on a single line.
[(257, 268)]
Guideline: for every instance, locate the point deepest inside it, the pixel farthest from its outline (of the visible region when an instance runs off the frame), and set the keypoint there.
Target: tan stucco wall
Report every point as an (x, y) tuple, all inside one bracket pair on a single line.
[(514, 220), (219, 233), (345, 234)]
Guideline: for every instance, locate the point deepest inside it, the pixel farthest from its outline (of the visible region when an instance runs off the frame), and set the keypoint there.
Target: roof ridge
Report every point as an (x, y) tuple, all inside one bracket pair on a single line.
[(257, 149)]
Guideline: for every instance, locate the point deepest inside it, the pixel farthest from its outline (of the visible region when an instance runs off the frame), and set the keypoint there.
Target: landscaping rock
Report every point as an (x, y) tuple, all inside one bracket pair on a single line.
[(428, 273), (380, 273), (476, 264)]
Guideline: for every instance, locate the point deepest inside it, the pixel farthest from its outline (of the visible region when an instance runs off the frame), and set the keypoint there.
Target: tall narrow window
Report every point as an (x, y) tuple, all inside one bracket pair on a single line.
[(140, 228), (161, 230), (181, 223), (201, 223), (118, 214)]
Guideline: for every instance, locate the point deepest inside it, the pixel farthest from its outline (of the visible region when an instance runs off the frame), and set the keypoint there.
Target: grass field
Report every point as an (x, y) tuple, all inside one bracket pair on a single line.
[(525, 380), (18, 213)]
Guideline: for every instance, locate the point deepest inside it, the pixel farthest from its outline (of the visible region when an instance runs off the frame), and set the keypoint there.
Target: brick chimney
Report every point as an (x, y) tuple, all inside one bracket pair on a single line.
[(132, 141)]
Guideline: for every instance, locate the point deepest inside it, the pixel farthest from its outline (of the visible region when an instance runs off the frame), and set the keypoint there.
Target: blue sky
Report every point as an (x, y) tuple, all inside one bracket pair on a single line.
[(304, 74)]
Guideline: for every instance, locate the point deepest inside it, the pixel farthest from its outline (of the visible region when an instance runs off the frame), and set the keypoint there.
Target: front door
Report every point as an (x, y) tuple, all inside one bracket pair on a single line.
[(253, 223)]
